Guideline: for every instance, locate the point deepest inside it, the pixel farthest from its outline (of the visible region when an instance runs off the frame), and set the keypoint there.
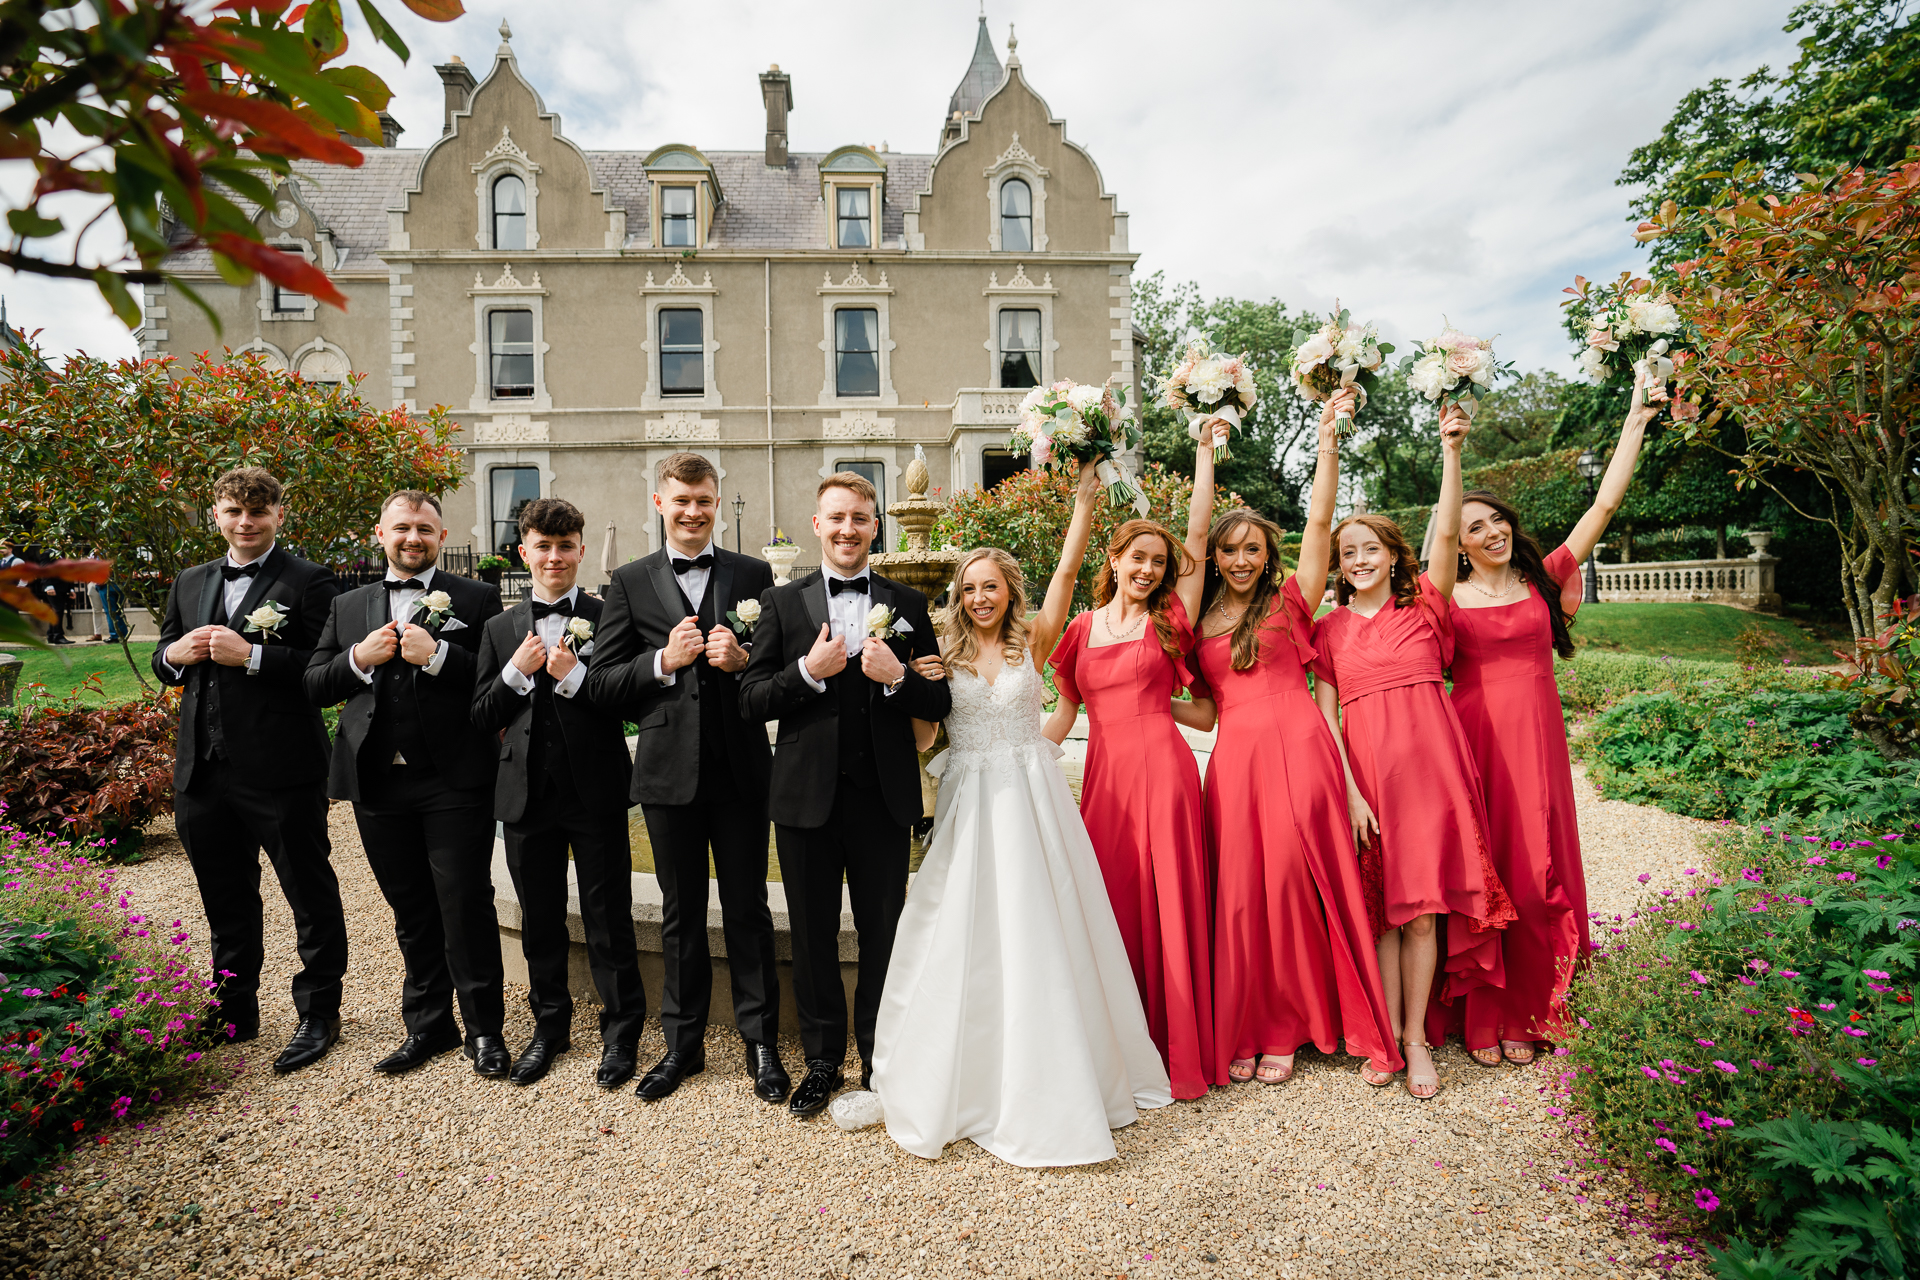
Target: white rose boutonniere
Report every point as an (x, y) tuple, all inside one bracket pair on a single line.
[(743, 616), (266, 620), (436, 605), (882, 625), (579, 632)]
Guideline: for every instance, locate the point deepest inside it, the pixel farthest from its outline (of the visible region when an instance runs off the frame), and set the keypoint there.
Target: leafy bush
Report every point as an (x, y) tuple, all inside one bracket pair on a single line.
[(90, 770), (1884, 677), (1734, 1031), (1593, 678), (100, 1009)]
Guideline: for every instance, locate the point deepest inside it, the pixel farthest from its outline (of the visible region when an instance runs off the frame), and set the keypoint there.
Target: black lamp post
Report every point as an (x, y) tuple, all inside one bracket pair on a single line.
[(1590, 465), (739, 505)]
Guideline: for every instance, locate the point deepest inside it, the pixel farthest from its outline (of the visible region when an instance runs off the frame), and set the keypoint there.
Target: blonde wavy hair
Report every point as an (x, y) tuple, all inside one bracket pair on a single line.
[(959, 640)]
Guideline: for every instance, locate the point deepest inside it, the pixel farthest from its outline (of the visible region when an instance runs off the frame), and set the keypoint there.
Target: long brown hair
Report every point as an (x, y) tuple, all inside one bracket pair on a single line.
[(1531, 563), (959, 641), (1160, 599), (1405, 578), (1246, 632)]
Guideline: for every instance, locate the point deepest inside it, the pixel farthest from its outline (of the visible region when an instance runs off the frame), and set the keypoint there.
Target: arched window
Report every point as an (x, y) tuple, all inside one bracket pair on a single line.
[(509, 212), (1016, 216)]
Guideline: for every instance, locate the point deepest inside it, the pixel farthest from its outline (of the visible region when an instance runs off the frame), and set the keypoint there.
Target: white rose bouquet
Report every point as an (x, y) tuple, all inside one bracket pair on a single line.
[(1207, 384), (1073, 422), (1338, 354), (1631, 334), (1454, 368), (266, 620)]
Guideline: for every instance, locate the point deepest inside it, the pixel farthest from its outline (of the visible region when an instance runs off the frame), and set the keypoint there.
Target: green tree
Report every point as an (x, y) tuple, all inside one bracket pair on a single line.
[(1851, 97), (1519, 420)]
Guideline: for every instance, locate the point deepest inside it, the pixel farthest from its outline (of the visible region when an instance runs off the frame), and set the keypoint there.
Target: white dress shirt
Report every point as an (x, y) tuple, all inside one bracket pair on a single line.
[(551, 630), (400, 608), (233, 591), (693, 585), (847, 617)]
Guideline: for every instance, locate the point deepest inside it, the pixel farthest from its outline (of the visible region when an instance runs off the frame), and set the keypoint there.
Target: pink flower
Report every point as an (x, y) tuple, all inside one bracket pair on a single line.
[(1698, 977), (1868, 1062), (1643, 877), (1691, 1170), (1666, 1144), (1883, 862), (1727, 1067), (1707, 1043), (1649, 1073), (1876, 973), (1705, 1200)]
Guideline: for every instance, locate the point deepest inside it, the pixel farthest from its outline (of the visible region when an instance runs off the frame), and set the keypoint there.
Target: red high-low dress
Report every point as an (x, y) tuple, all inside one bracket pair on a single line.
[(1509, 706), (1293, 950), (1411, 761), (1140, 799)]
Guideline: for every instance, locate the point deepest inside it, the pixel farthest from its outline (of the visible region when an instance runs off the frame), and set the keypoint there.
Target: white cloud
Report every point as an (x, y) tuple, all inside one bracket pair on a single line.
[(1412, 159)]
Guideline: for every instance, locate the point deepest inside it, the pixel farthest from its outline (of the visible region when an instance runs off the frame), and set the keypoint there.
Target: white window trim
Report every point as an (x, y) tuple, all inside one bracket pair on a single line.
[(321, 344), (276, 358), (856, 292), (484, 462), (875, 211), (506, 157), (857, 451), (508, 294), (678, 291), (303, 248), (1017, 162), (1020, 294)]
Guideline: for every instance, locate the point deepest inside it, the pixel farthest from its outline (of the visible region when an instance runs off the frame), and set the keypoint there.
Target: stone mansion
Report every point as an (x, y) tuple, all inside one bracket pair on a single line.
[(786, 314)]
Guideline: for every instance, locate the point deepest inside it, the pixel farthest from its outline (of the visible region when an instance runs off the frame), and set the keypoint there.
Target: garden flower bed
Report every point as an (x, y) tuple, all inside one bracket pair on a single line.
[(103, 1016)]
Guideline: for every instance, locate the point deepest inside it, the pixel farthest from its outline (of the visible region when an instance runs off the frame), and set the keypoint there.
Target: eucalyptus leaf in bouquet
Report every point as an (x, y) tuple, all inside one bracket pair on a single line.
[(1073, 422), (1454, 368), (1337, 354)]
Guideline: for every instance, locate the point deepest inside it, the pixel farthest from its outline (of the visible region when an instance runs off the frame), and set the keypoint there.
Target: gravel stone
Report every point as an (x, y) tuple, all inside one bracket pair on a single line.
[(336, 1172)]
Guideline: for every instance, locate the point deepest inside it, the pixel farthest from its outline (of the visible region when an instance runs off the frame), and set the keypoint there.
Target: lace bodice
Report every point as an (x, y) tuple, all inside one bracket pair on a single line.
[(998, 723)]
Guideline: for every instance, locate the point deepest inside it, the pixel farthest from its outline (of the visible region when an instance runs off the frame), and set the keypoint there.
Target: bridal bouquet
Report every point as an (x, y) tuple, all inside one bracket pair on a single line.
[(1206, 384), (1338, 354), (1455, 367), (1631, 333), (1073, 422)]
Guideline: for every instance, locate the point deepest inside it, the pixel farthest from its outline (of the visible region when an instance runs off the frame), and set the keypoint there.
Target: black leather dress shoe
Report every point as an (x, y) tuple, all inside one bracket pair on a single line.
[(618, 1062), (770, 1081), (816, 1090), (311, 1040), (866, 1075), (667, 1073), (490, 1057), (415, 1051), (539, 1056)]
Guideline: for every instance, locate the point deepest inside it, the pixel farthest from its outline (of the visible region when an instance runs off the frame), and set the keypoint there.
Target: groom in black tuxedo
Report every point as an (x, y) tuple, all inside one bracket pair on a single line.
[(562, 785), (401, 654), (678, 626), (250, 758), (832, 669)]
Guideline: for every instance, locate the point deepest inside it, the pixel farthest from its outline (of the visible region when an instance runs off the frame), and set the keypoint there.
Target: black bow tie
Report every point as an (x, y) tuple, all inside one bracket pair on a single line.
[(405, 584), (698, 562), (858, 586), (541, 608), (230, 571)]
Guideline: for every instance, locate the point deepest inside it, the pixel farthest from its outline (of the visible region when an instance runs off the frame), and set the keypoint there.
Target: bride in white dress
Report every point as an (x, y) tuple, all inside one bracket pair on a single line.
[(1010, 1014)]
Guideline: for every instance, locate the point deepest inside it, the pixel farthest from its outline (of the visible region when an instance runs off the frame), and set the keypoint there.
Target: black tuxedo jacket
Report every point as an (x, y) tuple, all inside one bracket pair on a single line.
[(644, 605), (806, 758), (274, 735), (596, 745), (463, 756)]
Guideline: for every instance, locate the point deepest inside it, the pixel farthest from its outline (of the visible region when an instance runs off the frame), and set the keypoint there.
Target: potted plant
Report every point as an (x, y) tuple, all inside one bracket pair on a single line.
[(490, 567), (781, 553)]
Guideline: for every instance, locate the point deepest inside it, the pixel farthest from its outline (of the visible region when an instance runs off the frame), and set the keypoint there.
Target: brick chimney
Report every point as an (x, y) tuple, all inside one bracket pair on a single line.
[(776, 87), (459, 82)]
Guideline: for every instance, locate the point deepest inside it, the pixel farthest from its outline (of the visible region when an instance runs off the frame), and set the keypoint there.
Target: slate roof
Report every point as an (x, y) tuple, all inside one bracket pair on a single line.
[(771, 209), (983, 76)]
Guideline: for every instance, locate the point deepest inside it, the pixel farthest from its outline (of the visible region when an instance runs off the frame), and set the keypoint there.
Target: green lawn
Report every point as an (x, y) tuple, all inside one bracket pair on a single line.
[(63, 669), (1709, 631)]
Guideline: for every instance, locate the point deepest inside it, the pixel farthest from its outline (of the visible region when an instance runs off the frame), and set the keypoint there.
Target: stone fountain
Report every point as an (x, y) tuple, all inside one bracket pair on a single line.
[(925, 568)]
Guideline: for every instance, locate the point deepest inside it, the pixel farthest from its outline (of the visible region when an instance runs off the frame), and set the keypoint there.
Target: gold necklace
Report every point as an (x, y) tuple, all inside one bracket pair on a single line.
[(1106, 617), (1513, 580)]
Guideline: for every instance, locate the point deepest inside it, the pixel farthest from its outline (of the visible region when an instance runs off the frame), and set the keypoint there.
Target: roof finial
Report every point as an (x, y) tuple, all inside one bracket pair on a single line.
[(1013, 44), (506, 34)]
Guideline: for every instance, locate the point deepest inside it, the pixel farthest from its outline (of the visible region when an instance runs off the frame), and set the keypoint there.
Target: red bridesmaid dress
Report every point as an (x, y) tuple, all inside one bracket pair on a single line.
[(1412, 763), (1509, 706), (1293, 951), (1140, 799)]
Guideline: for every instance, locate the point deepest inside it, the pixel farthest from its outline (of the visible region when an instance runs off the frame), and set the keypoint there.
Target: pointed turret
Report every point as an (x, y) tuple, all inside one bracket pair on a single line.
[(982, 78)]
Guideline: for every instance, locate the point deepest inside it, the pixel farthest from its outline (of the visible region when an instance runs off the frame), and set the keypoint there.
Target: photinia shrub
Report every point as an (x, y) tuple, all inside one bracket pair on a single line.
[(89, 770)]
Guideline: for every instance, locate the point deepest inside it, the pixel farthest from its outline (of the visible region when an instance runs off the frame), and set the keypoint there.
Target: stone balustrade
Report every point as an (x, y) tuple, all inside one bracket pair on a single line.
[(1745, 584)]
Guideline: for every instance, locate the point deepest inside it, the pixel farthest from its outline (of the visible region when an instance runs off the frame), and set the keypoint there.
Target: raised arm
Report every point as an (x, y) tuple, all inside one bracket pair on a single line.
[(1317, 538), (1613, 485), (1445, 565), (1046, 629), (1199, 520)]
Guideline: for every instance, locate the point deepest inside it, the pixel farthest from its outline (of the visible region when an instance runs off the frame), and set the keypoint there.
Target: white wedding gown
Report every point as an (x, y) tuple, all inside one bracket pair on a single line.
[(1010, 1014)]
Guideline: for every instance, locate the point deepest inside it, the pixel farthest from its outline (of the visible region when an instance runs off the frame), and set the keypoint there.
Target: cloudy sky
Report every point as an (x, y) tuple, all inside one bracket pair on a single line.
[(1411, 158)]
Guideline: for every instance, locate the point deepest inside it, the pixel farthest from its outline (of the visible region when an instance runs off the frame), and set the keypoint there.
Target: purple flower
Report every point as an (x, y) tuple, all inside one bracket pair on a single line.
[(1666, 1144), (1847, 876), (1649, 1073), (1691, 1170), (1876, 973), (1698, 977), (1643, 877), (1853, 1031), (1727, 1067), (1705, 1200), (1868, 1062)]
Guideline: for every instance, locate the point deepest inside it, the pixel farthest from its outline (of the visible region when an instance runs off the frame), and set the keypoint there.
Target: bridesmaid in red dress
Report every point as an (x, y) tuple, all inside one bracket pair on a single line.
[(1382, 658), (1293, 949), (1509, 620), (1140, 792)]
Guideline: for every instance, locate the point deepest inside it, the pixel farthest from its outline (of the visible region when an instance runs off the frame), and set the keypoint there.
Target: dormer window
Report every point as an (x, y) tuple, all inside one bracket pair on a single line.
[(509, 212), (678, 217), (1016, 216), (855, 216)]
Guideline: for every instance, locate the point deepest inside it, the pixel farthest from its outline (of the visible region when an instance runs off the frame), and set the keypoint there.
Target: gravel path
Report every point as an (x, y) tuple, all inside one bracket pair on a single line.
[(337, 1172)]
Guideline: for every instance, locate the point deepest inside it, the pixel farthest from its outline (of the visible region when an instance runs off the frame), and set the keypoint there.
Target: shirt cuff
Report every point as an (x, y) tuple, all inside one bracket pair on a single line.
[(665, 677), (366, 677), (888, 690), (172, 671), (253, 659), (516, 679), (569, 684), (816, 685), (439, 660)]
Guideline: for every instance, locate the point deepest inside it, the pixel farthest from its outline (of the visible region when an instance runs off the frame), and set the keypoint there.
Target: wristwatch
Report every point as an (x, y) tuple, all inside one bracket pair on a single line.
[(898, 681)]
